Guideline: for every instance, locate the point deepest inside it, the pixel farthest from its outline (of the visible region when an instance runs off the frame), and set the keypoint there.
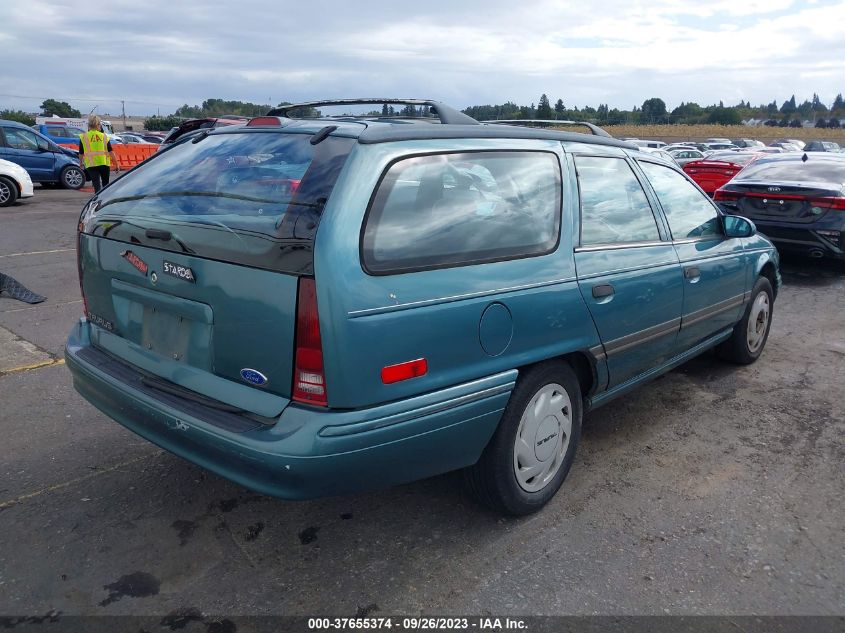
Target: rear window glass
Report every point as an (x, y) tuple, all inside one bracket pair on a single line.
[(463, 208), (795, 170), (252, 198)]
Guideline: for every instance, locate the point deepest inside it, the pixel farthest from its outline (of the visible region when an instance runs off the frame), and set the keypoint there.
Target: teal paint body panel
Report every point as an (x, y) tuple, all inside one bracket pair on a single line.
[(638, 323), (169, 356)]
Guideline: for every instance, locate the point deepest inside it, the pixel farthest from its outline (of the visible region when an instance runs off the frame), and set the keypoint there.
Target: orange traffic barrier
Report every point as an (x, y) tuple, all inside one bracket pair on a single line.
[(128, 155)]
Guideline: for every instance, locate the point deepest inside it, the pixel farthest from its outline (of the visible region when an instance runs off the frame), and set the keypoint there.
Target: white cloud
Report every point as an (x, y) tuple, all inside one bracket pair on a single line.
[(615, 51)]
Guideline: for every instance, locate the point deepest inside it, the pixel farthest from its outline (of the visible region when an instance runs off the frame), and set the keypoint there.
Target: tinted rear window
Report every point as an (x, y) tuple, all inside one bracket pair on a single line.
[(796, 170), (463, 208), (252, 198)]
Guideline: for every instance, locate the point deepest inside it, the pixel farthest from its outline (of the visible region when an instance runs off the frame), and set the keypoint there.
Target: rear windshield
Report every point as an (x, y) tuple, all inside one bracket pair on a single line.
[(795, 171), (252, 198), (736, 158)]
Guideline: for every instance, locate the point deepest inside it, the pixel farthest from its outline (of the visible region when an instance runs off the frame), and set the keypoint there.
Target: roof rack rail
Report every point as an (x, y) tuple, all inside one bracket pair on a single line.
[(594, 129), (446, 114)]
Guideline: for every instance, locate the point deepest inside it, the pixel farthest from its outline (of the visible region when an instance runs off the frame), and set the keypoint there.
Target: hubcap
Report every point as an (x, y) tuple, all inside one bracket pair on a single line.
[(73, 178), (542, 438), (5, 193), (758, 322)]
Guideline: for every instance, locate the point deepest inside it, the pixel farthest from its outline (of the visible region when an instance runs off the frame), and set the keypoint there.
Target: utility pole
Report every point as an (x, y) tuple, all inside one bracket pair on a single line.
[(123, 109)]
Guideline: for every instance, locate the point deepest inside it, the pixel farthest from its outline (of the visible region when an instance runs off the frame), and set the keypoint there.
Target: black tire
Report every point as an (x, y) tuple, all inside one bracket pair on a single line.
[(493, 480), (741, 348), (72, 177), (8, 192)]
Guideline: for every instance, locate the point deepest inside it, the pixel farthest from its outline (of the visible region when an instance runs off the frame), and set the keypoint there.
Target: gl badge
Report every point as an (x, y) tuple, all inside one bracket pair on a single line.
[(253, 377)]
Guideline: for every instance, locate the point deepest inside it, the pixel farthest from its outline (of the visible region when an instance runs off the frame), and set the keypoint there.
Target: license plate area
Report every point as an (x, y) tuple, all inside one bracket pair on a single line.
[(175, 328)]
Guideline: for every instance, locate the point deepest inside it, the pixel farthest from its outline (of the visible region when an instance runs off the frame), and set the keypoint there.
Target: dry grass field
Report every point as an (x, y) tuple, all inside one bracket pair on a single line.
[(674, 133)]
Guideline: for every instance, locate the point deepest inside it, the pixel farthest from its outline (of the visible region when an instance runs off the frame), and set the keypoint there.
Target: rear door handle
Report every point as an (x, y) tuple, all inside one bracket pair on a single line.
[(602, 291), (693, 272)]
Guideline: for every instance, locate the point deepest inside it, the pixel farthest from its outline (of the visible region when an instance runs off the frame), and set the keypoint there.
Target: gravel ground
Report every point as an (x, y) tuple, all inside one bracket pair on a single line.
[(713, 490)]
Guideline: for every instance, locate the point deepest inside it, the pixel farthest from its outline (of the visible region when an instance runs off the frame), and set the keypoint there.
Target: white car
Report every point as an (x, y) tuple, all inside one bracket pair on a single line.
[(14, 183)]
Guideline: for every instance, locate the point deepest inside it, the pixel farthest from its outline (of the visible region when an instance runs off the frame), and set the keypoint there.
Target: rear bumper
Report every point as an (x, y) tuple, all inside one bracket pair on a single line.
[(818, 239), (308, 452)]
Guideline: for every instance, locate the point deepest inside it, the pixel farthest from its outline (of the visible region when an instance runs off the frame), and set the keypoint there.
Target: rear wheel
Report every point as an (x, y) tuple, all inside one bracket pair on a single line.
[(750, 335), (8, 192), (72, 177), (532, 451)]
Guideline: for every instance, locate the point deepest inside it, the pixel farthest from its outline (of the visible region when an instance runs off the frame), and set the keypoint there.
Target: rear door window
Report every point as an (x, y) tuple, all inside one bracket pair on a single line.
[(688, 211), (251, 197), (614, 207), (464, 208)]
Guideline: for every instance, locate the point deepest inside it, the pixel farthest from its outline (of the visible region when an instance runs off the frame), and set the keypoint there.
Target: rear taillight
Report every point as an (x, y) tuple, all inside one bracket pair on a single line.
[(79, 234), (720, 195), (309, 378), (837, 204)]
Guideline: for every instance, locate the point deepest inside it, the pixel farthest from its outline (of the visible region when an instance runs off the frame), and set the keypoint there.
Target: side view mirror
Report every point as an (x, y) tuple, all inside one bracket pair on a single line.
[(737, 226), (43, 146)]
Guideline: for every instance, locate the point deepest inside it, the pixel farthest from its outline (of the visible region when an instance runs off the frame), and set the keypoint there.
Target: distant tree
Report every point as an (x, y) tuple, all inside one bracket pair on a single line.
[(821, 123), (817, 105), (161, 123), (834, 123), (788, 107), (17, 115), (60, 108), (806, 109), (602, 112), (559, 109), (654, 111), (724, 116), (795, 123), (772, 108), (544, 109), (384, 110)]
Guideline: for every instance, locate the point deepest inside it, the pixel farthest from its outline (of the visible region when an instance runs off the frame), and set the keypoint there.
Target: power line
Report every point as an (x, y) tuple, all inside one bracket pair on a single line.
[(92, 100)]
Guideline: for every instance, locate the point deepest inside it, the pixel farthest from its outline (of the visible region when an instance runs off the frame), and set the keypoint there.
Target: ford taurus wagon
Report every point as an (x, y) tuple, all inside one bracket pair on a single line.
[(314, 306)]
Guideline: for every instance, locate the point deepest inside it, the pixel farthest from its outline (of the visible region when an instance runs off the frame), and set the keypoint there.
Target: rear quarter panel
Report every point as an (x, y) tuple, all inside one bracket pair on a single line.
[(369, 322)]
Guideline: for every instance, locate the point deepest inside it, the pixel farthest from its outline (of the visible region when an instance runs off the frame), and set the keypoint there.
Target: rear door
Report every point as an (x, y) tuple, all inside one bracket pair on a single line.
[(628, 271), (714, 268), (191, 263), (23, 148)]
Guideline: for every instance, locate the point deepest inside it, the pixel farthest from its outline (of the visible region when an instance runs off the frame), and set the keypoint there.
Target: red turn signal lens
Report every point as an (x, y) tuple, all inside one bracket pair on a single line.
[(263, 121), (404, 371)]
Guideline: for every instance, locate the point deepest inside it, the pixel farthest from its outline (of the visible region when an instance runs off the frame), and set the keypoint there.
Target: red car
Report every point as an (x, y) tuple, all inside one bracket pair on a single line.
[(714, 170)]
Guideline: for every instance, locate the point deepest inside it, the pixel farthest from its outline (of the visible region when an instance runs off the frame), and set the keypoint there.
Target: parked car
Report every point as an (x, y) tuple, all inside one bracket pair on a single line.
[(718, 141), (206, 123), (683, 156), (644, 143), (786, 147), (134, 139), (799, 204), (59, 134), (719, 147), (319, 306), (747, 142), (715, 169), (821, 146), (662, 153), (792, 141), (45, 161), (15, 183)]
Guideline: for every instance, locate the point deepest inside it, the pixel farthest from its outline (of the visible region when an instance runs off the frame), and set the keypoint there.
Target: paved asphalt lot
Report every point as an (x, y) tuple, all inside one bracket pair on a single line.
[(713, 490)]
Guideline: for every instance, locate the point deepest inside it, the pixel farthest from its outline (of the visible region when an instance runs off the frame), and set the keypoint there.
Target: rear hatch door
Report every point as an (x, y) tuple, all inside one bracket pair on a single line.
[(190, 264)]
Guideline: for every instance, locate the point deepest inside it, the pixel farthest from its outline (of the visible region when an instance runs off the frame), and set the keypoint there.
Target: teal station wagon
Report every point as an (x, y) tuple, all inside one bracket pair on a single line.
[(314, 306)]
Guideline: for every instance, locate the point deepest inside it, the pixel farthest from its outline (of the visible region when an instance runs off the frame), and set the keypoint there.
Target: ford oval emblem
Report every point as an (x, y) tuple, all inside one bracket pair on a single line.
[(253, 376)]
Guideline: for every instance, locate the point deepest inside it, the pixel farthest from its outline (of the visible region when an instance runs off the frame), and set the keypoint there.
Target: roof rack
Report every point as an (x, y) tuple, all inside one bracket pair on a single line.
[(594, 129), (446, 114)]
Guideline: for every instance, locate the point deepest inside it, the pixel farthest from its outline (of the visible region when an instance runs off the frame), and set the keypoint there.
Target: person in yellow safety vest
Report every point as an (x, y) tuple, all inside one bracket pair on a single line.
[(94, 153)]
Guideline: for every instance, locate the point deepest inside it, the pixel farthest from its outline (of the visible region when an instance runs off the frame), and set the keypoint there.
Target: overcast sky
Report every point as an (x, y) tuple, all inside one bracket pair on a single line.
[(157, 54)]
